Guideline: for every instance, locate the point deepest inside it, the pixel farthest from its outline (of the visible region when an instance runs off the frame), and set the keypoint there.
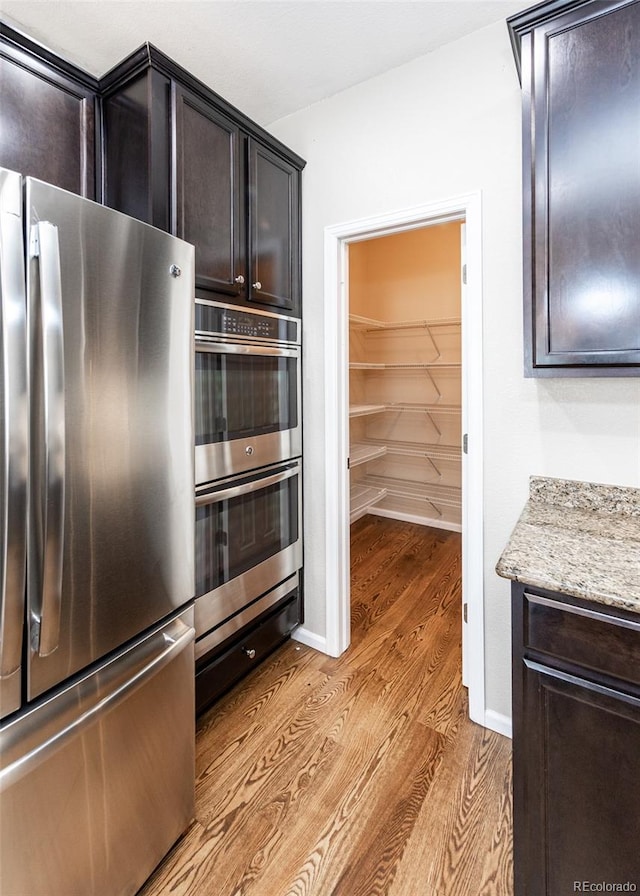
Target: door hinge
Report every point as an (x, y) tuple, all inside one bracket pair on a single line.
[(464, 273), (464, 612), (465, 443), (348, 463)]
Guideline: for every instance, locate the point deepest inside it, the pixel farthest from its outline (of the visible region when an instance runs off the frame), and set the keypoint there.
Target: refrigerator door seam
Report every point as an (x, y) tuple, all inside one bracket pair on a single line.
[(15, 434)]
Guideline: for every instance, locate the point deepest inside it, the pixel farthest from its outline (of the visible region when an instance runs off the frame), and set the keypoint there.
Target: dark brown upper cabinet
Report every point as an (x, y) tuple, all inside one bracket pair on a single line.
[(580, 71), (152, 141), (209, 193), (180, 157), (136, 147), (47, 115), (274, 227)]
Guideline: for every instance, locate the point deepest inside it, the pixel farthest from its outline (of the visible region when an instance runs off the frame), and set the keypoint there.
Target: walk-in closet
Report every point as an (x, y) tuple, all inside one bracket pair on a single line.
[(405, 375)]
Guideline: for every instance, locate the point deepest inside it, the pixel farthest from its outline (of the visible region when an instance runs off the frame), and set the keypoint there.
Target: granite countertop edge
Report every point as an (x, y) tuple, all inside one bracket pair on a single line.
[(580, 539)]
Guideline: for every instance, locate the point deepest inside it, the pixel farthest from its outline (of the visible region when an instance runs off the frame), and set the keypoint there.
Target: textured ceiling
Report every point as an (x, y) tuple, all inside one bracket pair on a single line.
[(268, 57)]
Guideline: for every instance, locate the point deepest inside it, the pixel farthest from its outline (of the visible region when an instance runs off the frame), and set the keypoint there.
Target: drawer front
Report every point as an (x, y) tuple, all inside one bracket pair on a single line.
[(222, 671), (593, 637)]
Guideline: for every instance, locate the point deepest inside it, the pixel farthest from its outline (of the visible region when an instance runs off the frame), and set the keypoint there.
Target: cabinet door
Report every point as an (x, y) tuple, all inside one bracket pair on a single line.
[(581, 81), (274, 229), (576, 784), (209, 193), (47, 120)]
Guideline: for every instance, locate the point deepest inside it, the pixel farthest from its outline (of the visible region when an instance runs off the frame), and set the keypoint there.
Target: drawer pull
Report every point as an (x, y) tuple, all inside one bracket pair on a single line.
[(581, 611), (250, 651)]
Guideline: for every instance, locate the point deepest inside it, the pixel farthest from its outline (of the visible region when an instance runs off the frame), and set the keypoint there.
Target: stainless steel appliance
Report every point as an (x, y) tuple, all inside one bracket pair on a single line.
[(248, 541), (96, 452), (247, 389)]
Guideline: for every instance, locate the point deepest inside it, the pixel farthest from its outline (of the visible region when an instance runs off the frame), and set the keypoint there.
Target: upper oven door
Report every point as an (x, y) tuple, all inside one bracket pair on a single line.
[(247, 406)]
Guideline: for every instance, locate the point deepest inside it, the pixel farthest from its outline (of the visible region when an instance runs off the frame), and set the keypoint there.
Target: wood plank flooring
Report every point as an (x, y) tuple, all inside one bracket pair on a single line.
[(356, 776)]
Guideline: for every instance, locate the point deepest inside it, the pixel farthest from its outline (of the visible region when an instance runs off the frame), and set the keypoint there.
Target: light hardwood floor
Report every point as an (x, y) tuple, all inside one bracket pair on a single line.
[(356, 776)]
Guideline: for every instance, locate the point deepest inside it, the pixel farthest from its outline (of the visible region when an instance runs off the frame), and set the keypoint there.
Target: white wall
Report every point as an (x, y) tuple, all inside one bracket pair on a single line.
[(443, 125)]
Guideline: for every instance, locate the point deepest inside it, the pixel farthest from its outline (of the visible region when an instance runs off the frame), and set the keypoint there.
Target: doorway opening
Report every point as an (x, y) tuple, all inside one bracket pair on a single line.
[(465, 213), (405, 376)]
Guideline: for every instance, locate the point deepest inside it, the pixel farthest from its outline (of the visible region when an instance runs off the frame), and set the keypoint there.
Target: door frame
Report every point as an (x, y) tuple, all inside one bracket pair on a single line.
[(466, 208)]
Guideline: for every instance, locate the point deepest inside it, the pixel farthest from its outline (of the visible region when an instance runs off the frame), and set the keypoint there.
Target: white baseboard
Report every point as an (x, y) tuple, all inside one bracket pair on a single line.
[(496, 721), (414, 518), (310, 639)]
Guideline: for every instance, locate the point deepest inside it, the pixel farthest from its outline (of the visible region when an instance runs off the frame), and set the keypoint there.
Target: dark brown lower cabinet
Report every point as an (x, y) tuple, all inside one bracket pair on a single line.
[(576, 745)]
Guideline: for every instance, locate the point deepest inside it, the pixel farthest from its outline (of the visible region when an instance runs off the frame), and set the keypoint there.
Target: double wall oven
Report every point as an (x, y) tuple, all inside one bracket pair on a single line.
[(248, 489)]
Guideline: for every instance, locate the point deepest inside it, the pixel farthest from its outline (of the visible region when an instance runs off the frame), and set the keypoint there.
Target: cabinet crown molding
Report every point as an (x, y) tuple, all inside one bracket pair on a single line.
[(523, 22), (15, 45), (149, 56)]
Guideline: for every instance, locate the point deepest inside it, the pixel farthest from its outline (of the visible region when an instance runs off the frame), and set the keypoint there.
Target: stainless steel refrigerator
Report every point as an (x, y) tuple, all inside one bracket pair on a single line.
[(97, 552)]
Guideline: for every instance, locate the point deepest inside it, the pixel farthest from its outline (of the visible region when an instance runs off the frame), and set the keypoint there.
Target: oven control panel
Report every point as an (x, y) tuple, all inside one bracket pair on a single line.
[(238, 323), (216, 319)]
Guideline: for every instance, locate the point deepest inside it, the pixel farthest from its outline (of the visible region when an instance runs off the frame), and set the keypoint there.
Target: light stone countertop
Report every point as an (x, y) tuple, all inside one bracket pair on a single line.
[(578, 538)]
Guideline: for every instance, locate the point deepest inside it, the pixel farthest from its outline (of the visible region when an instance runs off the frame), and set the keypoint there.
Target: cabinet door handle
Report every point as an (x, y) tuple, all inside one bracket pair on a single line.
[(239, 279), (257, 285), (250, 652)]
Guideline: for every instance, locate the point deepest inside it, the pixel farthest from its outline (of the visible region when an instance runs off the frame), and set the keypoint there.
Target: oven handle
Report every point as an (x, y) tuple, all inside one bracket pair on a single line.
[(246, 487), (246, 349)]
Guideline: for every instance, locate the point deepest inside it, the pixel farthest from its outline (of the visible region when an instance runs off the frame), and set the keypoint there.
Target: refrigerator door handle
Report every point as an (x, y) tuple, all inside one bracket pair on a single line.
[(15, 459), (69, 714), (46, 247)]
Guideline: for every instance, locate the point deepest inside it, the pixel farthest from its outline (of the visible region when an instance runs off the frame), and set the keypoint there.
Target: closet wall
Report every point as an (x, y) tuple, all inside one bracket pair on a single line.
[(405, 376)]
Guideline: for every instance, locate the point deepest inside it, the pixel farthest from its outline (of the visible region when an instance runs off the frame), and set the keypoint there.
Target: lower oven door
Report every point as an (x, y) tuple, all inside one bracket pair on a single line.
[(248, 540)]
